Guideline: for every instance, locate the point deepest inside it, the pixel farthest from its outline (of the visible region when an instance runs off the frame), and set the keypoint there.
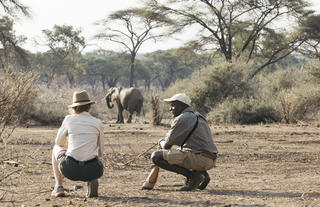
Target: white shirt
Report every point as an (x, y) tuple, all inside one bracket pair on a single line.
[(82, 134)]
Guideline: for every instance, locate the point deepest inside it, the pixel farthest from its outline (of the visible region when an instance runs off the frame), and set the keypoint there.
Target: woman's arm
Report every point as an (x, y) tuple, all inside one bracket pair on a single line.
[(62, 135), (100, 140)]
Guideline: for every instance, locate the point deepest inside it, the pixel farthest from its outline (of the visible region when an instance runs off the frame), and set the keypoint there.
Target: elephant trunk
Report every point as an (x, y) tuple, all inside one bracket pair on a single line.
[(108, 100)]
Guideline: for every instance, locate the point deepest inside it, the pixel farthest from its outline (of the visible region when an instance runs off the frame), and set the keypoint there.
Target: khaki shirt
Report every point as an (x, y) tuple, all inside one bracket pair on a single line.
[(201, 139)]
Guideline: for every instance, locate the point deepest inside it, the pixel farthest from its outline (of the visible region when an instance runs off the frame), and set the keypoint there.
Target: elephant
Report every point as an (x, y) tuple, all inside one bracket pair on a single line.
[(129, 99)]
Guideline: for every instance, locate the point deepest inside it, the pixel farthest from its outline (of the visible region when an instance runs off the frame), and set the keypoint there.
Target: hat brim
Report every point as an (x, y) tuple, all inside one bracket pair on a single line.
[(169, 100), (81, 104)]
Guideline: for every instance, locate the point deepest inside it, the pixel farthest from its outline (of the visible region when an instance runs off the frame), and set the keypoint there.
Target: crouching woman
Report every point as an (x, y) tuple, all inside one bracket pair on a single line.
[(78, 144)]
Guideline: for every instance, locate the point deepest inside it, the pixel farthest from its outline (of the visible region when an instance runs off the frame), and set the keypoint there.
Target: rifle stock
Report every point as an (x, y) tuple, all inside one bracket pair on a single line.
[(151, 179)]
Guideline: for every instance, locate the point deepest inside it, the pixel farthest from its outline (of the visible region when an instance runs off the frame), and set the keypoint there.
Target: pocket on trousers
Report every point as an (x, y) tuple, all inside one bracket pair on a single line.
[(174, 157)]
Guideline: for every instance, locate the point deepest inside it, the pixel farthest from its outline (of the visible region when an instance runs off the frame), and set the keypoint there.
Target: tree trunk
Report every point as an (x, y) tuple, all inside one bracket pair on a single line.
[(132, 62), (103, 83), (70, 79)]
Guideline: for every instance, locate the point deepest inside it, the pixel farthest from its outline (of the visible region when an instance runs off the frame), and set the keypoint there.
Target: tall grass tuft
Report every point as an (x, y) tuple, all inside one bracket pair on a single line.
[(156, 112)]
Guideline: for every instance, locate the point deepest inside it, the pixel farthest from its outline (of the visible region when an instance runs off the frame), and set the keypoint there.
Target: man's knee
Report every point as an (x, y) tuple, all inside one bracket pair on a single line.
[(156, 157)]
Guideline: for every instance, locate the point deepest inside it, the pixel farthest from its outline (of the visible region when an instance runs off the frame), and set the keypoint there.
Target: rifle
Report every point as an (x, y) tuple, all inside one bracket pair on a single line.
[(151, 179)]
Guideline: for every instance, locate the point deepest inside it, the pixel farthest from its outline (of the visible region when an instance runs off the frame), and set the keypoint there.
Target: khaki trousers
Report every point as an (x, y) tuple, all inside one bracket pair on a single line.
[(188, 160)]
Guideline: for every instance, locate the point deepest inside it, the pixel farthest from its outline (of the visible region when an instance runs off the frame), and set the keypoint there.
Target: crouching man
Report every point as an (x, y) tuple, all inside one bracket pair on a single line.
[(78, 145), (197, 152)]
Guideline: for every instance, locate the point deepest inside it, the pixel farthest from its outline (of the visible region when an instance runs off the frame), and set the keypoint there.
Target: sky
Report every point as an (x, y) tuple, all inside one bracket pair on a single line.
[(82, 14)]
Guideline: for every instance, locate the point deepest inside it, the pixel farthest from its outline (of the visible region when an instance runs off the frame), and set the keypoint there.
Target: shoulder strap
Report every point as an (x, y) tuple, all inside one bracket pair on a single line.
[(194, 127)]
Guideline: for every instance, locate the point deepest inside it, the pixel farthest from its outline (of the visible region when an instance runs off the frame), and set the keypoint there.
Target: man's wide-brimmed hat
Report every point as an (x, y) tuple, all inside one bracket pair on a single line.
[(182, 97), (80, 98)]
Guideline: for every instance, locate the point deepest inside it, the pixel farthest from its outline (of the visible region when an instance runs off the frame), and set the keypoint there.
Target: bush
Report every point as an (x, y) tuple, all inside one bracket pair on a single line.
[(221, 81), (16, 92), (243, 111), (221, 91), (294, 93), (301, 103), (212, 85)]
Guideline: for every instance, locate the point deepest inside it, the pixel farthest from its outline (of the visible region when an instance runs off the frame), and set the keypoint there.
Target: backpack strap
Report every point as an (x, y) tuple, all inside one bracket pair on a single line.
[(194, 127)]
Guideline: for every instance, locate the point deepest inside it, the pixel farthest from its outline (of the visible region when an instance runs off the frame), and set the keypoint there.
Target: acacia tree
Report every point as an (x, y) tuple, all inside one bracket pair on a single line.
[(10, 51), (108, 68), (131, 28), (239, 29), (311, 28), (14, 8), (66, 44)]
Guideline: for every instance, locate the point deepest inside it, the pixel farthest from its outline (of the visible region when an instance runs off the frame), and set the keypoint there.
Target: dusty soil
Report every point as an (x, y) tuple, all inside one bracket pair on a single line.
[(262, 165)]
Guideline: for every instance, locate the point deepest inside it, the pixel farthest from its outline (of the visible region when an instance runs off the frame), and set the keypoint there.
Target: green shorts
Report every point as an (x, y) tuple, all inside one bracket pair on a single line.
[(188, 160), (76, 170)]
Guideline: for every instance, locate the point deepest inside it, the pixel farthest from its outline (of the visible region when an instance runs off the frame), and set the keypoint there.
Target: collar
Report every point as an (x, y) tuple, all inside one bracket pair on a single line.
[(85, 113), (188, 109)]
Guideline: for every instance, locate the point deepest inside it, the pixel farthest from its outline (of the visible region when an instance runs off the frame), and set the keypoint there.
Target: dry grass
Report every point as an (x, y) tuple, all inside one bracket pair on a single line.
[(262, 165)]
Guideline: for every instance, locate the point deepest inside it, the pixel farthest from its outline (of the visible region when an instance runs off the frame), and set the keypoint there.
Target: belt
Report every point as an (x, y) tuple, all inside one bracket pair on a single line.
[(207, 155), (81, 163)]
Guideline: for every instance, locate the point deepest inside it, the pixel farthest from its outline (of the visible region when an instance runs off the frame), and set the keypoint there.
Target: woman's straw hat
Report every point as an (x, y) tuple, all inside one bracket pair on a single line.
[(80, 98)]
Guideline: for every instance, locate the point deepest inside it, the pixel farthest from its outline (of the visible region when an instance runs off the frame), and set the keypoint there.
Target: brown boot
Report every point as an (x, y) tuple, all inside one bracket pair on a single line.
[(193, 181), (205, 182), (93, 186)]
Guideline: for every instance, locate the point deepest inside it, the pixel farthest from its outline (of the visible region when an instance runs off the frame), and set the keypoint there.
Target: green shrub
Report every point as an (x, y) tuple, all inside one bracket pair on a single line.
[(221, 81), (243, 111)]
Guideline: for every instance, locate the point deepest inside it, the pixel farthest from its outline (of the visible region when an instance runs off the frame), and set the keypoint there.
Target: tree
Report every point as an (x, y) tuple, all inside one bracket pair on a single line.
[(66, 44), (136, 27), (10, 51), (45, 65), (311, 28), (239, 29), (14, 8), (169, 65), (108, 67)]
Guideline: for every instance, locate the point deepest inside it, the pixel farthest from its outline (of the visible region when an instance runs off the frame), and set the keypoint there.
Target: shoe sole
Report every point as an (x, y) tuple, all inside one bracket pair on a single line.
[(146, 188), (57, 195)]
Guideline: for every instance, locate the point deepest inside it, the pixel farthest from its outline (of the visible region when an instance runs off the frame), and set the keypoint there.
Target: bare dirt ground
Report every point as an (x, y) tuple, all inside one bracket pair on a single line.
[(261, 165)]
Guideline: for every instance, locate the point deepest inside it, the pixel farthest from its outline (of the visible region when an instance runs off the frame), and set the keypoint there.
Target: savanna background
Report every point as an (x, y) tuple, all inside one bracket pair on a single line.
[(255, 80)]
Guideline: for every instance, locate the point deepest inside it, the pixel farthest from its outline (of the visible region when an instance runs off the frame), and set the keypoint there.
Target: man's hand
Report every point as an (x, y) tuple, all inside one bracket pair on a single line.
[(161, 143)]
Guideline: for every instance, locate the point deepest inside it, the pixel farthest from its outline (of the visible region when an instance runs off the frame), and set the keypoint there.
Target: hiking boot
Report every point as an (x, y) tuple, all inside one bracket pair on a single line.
[(92, 188), (206, 180), (58, 191), (193, 181)]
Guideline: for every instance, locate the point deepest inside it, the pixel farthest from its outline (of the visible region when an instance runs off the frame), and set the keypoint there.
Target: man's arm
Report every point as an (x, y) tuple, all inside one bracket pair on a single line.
[(164, 145)]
